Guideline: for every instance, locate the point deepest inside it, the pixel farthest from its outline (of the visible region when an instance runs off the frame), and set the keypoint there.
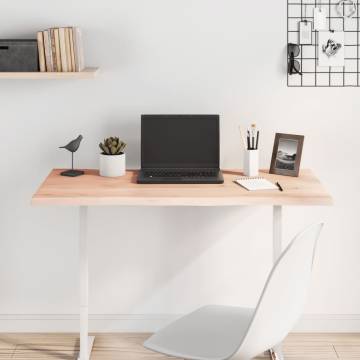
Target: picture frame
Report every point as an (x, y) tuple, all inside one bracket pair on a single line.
[(286, 156)]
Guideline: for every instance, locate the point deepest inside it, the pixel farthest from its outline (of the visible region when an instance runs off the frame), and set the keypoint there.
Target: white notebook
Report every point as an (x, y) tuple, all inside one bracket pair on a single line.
[(255, 183)]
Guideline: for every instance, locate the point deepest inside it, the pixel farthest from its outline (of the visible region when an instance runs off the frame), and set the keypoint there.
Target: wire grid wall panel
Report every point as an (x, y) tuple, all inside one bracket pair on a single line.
[(312, 74)]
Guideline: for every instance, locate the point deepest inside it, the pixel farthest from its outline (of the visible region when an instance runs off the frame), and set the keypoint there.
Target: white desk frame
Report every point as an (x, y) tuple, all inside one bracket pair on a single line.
[(86, 341)]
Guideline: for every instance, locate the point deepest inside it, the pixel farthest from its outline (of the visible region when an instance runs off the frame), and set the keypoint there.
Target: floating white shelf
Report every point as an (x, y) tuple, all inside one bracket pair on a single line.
[(87, 73)]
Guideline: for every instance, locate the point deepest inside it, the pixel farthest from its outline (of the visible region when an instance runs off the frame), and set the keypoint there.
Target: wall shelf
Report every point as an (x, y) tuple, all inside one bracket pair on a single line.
[(87, 73)]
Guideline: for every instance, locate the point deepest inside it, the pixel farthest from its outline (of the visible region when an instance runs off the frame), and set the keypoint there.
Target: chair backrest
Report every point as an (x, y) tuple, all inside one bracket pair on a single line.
[(284, 295)]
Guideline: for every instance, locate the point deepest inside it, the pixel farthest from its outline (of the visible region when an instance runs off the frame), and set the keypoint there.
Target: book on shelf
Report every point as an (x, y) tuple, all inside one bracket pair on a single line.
[(72, 56), (40, 41), (63, 57), (61, 50), (67, 46), (53, 50), (47, 50), (79, 50), (57, 50)]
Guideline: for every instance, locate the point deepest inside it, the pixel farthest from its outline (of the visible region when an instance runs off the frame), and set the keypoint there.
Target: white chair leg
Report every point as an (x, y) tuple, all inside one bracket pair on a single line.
[(277, 353)]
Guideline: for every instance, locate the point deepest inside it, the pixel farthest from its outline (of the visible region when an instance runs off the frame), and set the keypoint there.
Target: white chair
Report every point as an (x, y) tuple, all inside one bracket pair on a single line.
[(221, 332)]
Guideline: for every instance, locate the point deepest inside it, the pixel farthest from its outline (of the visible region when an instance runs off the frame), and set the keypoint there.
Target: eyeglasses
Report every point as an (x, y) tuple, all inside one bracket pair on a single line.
[(293, 65)]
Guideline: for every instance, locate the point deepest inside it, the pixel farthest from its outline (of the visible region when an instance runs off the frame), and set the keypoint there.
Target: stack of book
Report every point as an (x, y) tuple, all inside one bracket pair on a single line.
[(60, 50)]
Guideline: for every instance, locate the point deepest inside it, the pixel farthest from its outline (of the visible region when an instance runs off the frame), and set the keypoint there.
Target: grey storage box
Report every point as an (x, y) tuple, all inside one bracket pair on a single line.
[(19, 55)]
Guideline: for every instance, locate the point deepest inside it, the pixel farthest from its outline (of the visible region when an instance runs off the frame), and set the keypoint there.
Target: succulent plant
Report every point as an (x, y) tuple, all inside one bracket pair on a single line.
[(112, 146)]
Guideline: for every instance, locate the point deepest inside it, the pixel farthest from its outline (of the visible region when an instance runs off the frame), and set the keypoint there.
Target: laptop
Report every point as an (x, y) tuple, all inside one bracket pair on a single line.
[(180, 149)]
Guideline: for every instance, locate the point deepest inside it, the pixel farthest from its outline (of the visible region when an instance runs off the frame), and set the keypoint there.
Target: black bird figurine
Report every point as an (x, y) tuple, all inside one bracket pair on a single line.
[(72, 146)]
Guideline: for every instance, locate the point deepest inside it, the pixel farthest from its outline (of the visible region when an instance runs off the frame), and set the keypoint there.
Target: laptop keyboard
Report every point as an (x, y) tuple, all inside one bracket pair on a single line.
[(180, 173)]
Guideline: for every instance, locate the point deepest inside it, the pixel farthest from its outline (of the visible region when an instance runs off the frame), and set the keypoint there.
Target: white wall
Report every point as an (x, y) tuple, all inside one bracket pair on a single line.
[(200, 56)]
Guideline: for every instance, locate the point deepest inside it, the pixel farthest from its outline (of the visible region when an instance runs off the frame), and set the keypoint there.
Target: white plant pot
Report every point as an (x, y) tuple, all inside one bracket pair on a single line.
[(112, 165)]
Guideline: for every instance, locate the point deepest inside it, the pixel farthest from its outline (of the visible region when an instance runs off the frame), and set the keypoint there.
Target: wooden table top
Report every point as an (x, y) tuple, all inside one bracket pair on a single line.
[(94, 190)]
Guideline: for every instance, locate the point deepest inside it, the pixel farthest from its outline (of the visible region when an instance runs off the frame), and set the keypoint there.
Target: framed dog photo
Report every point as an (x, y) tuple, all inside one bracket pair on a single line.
[(286, 156)]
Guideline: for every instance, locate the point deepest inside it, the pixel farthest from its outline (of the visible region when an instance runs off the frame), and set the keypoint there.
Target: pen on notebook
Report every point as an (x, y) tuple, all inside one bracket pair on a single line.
[(279, 186)]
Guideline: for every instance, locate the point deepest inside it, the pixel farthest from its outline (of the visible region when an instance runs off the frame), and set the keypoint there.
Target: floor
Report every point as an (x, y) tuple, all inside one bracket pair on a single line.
[(129, 347)]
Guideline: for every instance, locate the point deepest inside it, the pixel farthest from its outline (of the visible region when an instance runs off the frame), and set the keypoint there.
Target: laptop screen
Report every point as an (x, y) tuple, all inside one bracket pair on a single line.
[(180, 141)]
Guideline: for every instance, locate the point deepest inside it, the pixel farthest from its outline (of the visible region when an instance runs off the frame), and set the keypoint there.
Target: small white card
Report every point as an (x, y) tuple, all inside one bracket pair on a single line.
[(319, 19), (305, 32)]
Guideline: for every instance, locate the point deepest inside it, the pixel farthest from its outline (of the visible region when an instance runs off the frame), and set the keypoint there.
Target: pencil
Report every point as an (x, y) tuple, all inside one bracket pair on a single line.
[(253, 129), (242, 137)]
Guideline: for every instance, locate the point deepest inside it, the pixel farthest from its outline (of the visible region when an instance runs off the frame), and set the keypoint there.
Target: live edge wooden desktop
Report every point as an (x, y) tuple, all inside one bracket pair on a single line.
[(93, 190)]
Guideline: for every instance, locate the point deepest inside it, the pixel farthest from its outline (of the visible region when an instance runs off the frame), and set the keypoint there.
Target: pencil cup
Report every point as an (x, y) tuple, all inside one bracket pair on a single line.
[(251, 162)]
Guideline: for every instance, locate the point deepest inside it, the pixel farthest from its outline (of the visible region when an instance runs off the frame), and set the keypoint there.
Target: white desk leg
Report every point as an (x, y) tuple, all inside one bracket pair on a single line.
[(276, 352), (86, 342), (277, 232)]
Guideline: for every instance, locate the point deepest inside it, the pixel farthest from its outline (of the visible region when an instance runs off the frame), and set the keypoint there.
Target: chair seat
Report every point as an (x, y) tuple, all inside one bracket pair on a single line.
[(209, 333)]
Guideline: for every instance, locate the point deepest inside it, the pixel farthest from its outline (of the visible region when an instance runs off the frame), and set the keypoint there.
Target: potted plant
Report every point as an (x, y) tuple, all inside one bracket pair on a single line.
[(112, 158)]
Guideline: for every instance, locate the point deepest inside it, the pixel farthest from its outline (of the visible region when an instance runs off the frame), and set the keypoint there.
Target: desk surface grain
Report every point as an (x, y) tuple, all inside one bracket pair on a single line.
[(94, 190)]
